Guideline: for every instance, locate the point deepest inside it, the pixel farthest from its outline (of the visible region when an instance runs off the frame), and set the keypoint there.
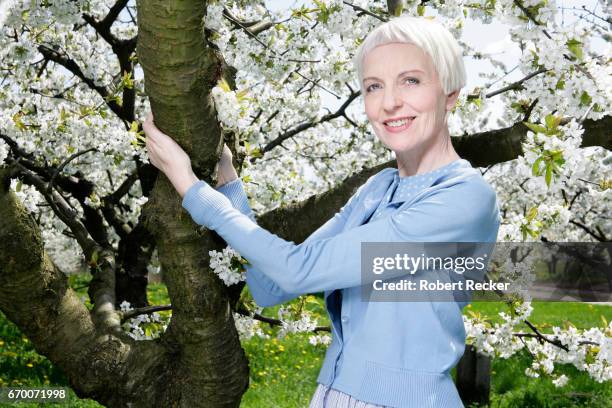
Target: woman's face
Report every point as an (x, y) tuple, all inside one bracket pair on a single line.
[(404, 100)]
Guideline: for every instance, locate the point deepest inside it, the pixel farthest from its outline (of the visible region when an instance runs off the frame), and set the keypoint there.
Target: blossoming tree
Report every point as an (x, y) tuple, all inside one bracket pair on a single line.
[(77, 190)]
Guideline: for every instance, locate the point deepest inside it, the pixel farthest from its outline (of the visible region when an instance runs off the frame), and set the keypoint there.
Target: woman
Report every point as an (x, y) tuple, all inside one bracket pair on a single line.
[(395, 354)]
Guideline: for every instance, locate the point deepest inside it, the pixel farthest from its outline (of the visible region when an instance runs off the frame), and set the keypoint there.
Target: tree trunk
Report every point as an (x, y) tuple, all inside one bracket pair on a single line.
[(474, 377), (198, 361), (132, 274), (102, 364), (211, 369)]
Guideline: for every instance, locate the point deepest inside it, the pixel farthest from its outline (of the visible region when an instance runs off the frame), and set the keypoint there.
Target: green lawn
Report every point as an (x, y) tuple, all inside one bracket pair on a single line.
[(284, 372)]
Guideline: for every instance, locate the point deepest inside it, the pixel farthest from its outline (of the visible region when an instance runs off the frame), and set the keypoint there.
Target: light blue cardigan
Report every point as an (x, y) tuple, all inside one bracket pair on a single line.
[(397, 354)]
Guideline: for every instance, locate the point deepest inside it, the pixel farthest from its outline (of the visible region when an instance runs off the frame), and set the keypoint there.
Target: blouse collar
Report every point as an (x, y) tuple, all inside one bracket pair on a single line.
[(408, 186)]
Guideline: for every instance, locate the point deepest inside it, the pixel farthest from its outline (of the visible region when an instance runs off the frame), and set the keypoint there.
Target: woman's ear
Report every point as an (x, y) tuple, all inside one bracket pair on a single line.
[(451, 100)]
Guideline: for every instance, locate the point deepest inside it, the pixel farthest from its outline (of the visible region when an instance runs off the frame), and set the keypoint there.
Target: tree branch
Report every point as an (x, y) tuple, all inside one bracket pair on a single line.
[(102, 260), (300, 128), (143, 310), (516, 85), (481, 149), (36, 296), (123, 49), (600, 238), (73, 67), (368, 12), (274, 322)]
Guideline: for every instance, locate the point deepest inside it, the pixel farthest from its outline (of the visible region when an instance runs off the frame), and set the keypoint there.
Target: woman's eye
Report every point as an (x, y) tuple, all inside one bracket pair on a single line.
[(413, 81), (372, 87)]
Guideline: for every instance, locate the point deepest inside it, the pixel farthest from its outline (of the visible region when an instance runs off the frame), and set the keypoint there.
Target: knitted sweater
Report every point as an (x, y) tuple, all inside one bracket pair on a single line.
[(390, 353)]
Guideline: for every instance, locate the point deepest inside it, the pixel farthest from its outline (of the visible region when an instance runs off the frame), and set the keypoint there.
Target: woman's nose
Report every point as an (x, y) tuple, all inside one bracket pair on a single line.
[(391, 99)]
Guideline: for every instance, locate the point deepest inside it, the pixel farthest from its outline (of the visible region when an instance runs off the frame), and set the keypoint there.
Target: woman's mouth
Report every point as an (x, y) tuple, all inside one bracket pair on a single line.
[(398, 125)]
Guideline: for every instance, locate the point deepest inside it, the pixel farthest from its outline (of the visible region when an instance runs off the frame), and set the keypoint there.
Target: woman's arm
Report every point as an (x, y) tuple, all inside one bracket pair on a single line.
[(170, 158), (465, 212), (264, 290)]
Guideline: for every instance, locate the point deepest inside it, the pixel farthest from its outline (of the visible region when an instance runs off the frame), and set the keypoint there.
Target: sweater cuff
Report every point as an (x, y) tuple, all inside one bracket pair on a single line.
[(234, 191), (203, 203)]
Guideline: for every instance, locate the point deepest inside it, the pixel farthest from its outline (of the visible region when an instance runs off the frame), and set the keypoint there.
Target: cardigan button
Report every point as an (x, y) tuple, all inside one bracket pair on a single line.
[(344, 319)]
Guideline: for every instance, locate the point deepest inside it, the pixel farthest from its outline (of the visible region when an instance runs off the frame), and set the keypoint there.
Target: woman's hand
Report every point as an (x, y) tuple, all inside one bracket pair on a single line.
[(226, 172), (169, 157)]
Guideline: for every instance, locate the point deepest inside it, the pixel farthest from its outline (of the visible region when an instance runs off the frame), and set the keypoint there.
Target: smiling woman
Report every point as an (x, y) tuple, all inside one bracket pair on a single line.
[(396, 354), (407, 107), (408, 97)]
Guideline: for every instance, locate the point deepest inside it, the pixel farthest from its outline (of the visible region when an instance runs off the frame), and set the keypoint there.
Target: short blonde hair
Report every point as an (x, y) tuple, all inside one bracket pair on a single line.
[(432, 37)]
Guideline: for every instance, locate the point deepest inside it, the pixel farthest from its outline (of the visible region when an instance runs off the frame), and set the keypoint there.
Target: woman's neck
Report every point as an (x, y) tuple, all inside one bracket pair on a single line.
[(413, 162)]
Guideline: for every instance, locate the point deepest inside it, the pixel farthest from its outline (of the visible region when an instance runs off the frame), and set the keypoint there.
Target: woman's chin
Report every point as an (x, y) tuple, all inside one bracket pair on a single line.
[(400, 146)]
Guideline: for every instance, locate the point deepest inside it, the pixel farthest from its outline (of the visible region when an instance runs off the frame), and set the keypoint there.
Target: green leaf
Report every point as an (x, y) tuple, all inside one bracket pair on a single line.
[(224, 85), (585, 99), (535, 127), (533, 212), (520, 106), (557, 155), (560, 84), (242, 94), (605, 184), (535, 169), (548, 175), (524, 231), (551, 121), (575, 47), (18, 122), (134, 127), (256, 152), (324, 11), (127, 81), (312, 299)]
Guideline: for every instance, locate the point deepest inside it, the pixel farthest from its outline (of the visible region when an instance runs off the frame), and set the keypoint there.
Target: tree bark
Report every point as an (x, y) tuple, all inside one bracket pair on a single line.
[(100, 363), (198, 361), (474, 377), (210, 369)]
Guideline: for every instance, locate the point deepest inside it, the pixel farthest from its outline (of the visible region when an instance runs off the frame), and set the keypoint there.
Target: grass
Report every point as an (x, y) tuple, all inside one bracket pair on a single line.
[(284, 372), (512, 388)]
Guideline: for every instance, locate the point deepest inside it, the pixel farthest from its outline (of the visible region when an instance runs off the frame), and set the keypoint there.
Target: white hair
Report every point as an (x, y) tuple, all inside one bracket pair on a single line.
[(432, 37)]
